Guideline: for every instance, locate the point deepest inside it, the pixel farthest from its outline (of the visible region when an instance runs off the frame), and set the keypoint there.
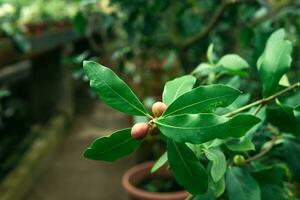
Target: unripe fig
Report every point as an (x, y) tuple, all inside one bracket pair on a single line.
[(139, 130), (158, 108), (239, 160)]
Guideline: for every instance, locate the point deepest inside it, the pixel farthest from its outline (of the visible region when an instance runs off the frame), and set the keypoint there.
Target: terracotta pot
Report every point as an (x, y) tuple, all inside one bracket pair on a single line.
[(136, 174)]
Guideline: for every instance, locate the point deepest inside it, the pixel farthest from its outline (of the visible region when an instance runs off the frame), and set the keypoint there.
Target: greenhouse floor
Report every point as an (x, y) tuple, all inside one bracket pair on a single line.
[(70, 176)]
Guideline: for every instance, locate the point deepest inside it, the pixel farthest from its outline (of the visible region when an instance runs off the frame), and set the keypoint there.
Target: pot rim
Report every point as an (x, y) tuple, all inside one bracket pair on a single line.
[(142, 193)]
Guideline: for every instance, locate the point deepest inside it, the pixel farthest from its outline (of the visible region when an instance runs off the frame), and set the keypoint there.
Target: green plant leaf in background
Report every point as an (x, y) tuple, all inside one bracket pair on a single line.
[(187, 169), (112, 90), (219, 163), (4, 93), (175, 88), (209, 195), (274, 62), (203, 99), (291, 154), (113, 147), (202, 70), (275, 174), (297, 112), (160, 162), (210, 54), (283, 116), (270, 180), (240, 185), (203, 127), (218, 188), (274, 192), (239, 145), (233, 63), (80, 22)]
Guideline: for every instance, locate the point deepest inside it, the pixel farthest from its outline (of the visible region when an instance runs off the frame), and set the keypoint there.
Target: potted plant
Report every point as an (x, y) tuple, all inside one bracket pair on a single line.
[(217, 148), (141, 184)]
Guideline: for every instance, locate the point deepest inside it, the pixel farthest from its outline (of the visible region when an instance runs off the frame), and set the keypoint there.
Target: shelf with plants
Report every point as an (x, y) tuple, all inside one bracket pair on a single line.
[(37, 45), (26, 26)]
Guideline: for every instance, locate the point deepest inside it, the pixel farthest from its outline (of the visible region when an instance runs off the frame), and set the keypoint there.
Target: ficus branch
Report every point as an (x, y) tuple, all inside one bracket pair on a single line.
[(273, 13), (263, 101), (258, 109), (214, 20), (263, 152)]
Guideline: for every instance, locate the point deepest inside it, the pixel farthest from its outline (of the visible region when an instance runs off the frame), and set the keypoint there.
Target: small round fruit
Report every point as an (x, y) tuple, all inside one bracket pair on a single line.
[(158, 108), (239, 160), (139, 130)]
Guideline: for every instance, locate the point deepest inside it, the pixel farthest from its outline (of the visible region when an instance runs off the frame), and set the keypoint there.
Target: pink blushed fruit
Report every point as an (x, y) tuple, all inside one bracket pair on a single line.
[(139, 130)]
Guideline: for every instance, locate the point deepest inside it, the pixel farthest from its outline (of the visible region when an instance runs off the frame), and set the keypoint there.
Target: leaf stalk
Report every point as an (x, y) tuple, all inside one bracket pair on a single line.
[(264, 101)]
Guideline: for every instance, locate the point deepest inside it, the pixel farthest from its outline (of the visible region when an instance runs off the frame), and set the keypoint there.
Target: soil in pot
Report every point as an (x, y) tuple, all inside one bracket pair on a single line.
[(160, 184)]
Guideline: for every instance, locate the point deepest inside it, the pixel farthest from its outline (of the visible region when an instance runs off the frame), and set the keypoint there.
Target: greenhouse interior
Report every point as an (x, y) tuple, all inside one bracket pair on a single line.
[(149, 100)]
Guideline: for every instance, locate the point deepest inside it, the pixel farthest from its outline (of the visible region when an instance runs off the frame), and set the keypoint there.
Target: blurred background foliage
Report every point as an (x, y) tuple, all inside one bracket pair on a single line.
[(162, 34), (173, 36)]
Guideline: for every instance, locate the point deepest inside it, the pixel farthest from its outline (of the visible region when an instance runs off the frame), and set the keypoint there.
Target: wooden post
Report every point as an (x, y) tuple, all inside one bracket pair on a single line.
[(51, 86)]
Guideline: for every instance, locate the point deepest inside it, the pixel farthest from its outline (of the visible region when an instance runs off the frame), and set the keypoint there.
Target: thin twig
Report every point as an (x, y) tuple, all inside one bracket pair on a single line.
[(210, 25), (270, 15), (258, 109), (263, 152), (190, 197), (263, 101)]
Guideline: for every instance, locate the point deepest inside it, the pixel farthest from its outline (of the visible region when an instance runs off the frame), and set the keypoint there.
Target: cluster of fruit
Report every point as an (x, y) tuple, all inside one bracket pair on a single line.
[(141, 129)]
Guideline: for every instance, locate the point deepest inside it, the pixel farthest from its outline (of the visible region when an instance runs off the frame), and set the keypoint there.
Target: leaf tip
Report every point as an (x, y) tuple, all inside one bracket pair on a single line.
[(86, 153), (152, 170), (86, 62)]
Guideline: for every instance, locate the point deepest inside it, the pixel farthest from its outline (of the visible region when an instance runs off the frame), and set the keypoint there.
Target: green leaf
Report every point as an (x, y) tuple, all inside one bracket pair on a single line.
[(193, 128), (283, 117), (175, 88), (202, 70), (274, 62), (233, 63), (202, 99), (262, 116), (240, 185), (203, 127), (160, 162), (284, 81), (291, 154), (218, 188), (112, 90), (219, 164), (273, 192), (297, 112), (113, 147), (210, 54), (272, 175), (240, 145), (239, 102), (4, 93), (271, 181), (80, 22), (209, 195), (187, 169), (241, 124)]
